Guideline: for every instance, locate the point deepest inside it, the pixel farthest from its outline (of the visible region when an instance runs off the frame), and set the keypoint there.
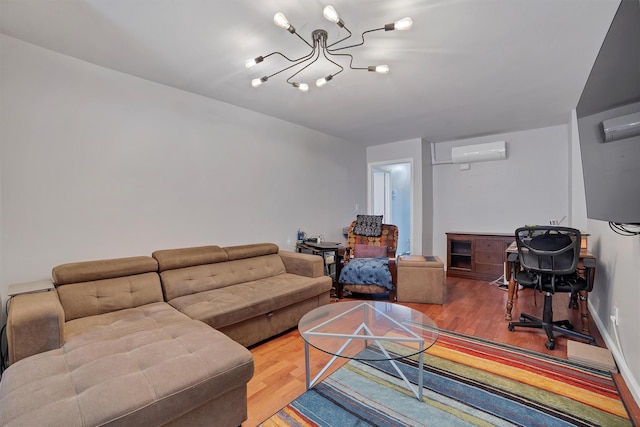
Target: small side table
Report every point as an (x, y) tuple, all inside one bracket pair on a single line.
[(324, 249), (30, 287)]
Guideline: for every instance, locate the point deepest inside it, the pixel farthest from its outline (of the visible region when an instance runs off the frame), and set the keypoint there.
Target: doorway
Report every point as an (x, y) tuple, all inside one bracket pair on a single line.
[(391, 196)]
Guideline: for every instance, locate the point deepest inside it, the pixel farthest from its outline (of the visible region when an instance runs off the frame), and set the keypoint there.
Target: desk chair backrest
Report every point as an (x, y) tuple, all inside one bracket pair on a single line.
[(549, 257), (550, 250)]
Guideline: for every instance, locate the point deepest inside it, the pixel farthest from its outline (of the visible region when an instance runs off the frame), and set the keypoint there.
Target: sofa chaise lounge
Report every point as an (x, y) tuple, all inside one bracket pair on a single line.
[(130, 341)]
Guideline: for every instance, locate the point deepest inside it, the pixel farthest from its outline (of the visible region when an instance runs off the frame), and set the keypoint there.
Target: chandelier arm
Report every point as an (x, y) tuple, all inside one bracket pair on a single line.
[(303, 39), (350, 61), (303, 68), (303, 59), (341, 40), (308, 55), (358, 44), (324, 52)]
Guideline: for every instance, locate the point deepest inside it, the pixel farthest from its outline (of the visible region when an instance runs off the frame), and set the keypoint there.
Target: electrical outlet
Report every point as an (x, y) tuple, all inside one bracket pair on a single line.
[(615, 317)]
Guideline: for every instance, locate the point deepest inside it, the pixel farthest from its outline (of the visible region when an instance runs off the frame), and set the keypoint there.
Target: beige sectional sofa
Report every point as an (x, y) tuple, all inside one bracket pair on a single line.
[(249, 292), (146, 340)]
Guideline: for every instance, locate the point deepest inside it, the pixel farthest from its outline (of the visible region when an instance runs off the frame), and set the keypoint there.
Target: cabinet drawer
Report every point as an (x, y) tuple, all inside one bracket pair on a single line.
[(489, 257), (490, 245), (490, 269)]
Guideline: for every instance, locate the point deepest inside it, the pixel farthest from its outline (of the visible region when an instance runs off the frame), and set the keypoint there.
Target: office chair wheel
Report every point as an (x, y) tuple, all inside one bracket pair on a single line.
[(550, 345), (511, 327), (522, 318)]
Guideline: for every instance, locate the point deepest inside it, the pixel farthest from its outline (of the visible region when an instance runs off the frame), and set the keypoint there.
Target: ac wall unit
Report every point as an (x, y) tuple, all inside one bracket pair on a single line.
[(479, 152), (621, 127)]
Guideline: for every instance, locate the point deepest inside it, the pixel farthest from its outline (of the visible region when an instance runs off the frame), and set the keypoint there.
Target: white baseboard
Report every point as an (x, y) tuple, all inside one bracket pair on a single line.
[(631, 382)]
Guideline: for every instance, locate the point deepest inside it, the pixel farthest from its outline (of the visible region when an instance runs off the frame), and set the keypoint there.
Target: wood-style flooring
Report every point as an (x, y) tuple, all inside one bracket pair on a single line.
[(472, 307)]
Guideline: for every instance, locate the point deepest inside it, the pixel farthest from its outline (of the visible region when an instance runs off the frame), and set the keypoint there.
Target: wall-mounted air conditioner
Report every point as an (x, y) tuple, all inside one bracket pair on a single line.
[(479, 152), (621, 127)]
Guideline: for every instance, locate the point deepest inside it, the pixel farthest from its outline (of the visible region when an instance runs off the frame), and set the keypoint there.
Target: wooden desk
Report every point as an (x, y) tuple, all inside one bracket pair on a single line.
[(582, 299)]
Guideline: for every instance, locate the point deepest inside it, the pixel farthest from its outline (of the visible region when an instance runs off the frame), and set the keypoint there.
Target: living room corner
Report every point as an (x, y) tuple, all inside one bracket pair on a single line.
[(155, 189)]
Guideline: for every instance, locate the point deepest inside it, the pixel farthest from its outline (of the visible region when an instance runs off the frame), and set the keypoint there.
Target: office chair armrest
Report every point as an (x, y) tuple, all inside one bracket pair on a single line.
[(589, 263), (513, 257)]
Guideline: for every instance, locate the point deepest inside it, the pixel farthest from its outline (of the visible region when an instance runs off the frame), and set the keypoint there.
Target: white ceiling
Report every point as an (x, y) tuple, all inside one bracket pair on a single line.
[(466, 68)]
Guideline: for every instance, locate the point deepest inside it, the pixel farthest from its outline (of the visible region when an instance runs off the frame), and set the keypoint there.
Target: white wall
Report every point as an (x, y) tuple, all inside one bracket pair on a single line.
[(402, 151), (617, 281), (98, 164), (529, 187)]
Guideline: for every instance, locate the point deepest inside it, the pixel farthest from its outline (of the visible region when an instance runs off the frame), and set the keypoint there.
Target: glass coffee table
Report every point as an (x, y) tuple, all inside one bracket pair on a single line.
[(368, 330)]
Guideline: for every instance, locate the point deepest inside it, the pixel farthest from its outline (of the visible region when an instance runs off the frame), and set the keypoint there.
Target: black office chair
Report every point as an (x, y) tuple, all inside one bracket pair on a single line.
[(549, 258)]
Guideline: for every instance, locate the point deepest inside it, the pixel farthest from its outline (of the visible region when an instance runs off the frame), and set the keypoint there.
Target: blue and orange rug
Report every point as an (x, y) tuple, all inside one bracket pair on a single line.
[(467, 382)]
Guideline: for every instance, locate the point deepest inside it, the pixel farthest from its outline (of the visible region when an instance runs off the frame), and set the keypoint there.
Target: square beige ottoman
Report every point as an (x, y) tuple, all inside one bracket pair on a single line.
[(421, 279)]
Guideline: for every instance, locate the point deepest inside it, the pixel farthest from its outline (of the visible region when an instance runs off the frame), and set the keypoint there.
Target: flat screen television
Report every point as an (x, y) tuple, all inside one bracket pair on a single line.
[(612, 169)]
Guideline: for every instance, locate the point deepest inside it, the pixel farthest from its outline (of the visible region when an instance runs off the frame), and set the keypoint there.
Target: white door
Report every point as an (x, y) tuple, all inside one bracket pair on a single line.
[(391, 196)]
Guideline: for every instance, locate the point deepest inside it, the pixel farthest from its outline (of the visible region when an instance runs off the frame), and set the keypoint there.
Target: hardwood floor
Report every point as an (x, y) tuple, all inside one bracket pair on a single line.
[(472, 307)]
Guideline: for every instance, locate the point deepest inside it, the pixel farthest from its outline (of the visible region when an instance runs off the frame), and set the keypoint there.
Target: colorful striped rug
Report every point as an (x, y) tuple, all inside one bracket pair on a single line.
[(467, 382)]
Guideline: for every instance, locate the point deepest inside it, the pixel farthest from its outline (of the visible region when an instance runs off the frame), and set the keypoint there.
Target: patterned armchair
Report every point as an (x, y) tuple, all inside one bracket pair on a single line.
[(388, 237)]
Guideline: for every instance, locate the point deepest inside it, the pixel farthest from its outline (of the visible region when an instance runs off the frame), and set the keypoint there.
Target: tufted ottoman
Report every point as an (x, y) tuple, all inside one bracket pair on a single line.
[(421, 279)]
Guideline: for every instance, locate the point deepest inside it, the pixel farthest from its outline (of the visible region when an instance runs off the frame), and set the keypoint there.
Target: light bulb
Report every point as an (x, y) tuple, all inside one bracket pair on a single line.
[(281, 21), (330, 13), (253, 61), (382, 69), (302, 86), (403, 24), (323, 81), (258, 82)]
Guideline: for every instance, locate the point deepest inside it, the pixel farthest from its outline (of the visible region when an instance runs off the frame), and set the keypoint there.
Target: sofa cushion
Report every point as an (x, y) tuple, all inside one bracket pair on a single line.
[(233, 304), (368, 251), (87, 271), (250, 251), (95, 287), (202, 278), (368, 225), (102, 296), (169, 259), (146, 365)]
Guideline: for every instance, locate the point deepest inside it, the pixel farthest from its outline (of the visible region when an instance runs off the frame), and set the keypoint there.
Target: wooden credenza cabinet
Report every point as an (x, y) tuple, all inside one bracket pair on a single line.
[(479, 256)]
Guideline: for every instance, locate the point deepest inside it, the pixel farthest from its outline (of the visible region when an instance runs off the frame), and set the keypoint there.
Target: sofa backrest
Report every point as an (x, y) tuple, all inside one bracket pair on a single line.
[(96, 287), (187, 271)]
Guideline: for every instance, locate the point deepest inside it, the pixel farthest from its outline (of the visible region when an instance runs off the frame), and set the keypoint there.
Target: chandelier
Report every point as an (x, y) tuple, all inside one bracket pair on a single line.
[(319, 46)]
